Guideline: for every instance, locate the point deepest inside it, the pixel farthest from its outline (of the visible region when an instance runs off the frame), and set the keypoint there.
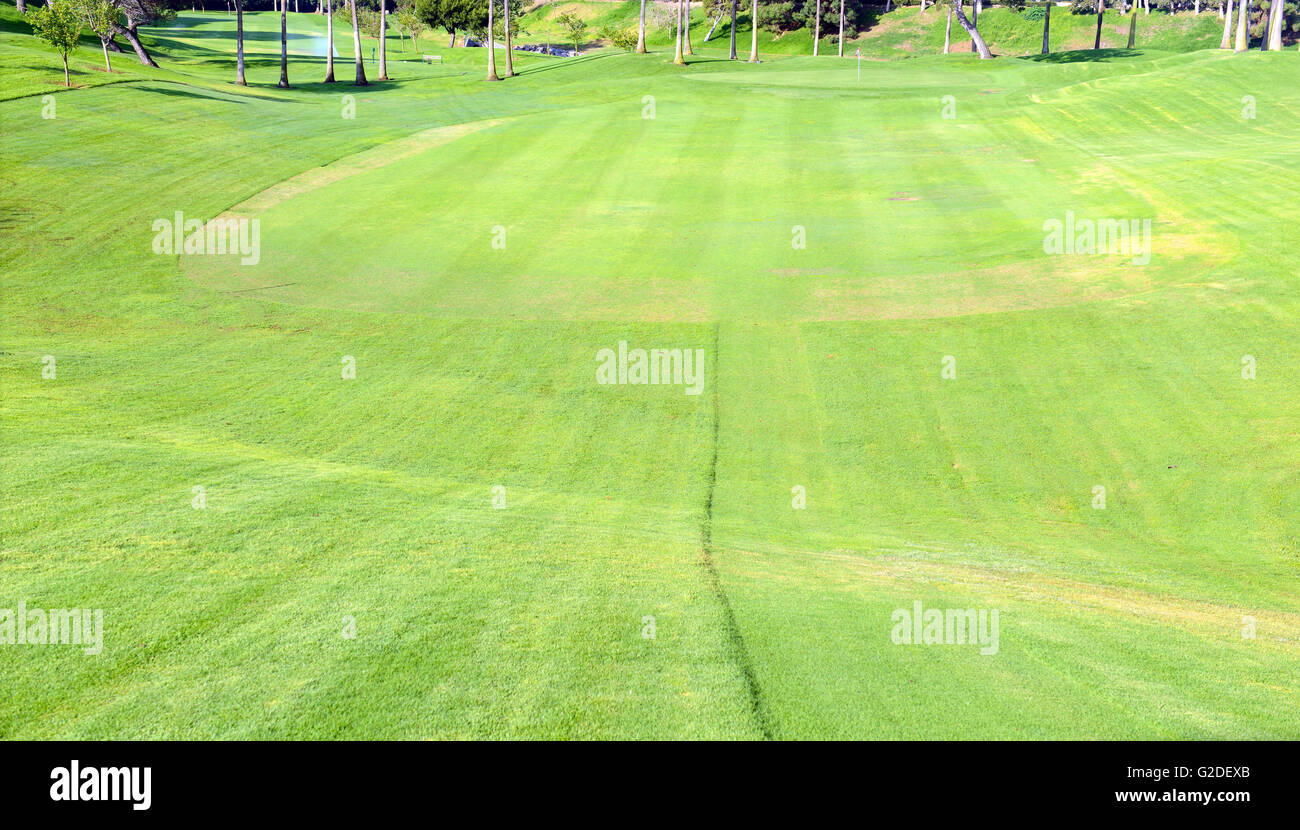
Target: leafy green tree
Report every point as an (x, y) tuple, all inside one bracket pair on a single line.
[(60, 26), (452, 15), (408, 19), (573, 26), (100, 16)]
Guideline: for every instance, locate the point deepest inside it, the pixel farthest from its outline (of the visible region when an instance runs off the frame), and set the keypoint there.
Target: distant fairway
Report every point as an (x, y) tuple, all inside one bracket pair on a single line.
[(371, 499), (216, 32)]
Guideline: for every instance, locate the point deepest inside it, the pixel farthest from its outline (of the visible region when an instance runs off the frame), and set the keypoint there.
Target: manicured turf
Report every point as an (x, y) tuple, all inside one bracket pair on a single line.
[(371, 498)]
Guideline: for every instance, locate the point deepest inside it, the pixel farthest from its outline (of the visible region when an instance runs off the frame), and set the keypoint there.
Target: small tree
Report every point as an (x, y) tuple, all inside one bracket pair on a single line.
[(409, 21), (573, 25), (60, 26), (100, 16)]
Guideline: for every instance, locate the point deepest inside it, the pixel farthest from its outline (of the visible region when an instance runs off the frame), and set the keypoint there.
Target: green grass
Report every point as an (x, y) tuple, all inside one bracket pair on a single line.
[(371, 498)]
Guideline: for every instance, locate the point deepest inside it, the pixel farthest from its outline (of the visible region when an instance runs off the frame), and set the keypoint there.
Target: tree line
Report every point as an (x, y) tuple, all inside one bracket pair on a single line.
[(61, 23)]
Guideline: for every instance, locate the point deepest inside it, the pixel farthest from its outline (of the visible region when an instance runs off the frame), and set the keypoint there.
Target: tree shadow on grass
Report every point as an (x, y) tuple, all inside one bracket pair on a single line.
[(182, 91), (1084, 56)]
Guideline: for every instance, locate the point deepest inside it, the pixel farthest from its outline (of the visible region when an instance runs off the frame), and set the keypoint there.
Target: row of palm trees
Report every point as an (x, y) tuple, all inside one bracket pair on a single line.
[(1272, 37), (1273, 20), (683, 35), (329, 47)]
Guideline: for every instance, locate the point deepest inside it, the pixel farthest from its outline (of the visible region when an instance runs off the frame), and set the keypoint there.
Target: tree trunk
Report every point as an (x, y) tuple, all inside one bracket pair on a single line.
[(134, 40), (947, 32), (491, 47), (239, 43), (1226, 42), (753, 25), (1196, 9), (329, 47), (1047, 24), (686, 28), (383, 39), (1133, 25), (1275, 31), (1243, 24), (284, 44), (640, 32), (356, 47), (678, 59), (108, 66), (510, 57), (734, 3), (714, 27), (817, 30), (66, 80), (841, 28), (975, 20), (1101, 11), (976, 38), (22, 6)]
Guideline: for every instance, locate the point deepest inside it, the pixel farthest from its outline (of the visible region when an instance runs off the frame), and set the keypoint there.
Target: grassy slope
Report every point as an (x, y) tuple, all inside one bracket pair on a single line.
[(903, 32), (371, 497)]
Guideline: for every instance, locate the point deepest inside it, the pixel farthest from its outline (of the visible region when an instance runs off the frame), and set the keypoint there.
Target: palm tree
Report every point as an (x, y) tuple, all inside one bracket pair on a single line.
[(841, 28), (734, 3), (686, 28), (329, 46), (284, 44), (356, 48), (1275, 25), (817, 29), (491, 46), (383, 40), (239, 43), (1243, 25), (510, 60), (1047, 23), (1226, 42), (976, 38), (678, 59), (753, 26), (640, 32)]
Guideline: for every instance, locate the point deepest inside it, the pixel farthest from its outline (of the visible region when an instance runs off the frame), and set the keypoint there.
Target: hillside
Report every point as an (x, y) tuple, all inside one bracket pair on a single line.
[(901, 33)]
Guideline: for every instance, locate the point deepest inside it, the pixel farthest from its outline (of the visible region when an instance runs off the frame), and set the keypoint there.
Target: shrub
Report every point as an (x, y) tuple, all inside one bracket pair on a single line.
[(619, 38)]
